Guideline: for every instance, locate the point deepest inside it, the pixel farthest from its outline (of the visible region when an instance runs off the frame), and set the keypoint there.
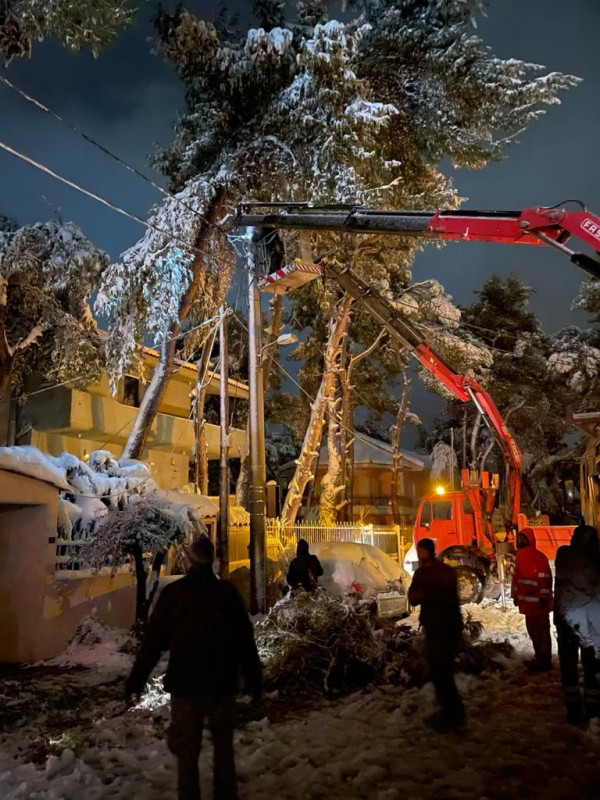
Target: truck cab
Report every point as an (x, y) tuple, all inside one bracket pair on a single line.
[(448, 519)]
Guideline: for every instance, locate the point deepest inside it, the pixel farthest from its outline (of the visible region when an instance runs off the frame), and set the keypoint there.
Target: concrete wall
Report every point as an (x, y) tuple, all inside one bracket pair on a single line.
[(40, 610)]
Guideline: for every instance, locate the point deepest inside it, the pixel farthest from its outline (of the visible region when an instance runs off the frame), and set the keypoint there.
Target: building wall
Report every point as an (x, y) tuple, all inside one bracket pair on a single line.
[(372, 491), (40, 610), (79, 422)]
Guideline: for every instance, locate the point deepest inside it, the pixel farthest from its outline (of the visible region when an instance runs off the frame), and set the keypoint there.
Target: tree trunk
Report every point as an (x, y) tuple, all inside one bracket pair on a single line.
[(397, 430), (474, 434), (152, 398), (346, 435), (332, 484), (5, 375), (346, 439), (7, 353), (242, 487), (338, 326), (162, 373)]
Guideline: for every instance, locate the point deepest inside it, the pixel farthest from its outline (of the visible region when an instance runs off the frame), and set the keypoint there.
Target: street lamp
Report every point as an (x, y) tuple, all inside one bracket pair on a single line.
[(281, 341)]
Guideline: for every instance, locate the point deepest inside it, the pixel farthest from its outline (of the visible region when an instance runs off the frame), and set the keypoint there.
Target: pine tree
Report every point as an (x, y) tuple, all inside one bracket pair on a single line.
[(526, 381), (576, 355), (76, 23), (338, 112), (48, 272)]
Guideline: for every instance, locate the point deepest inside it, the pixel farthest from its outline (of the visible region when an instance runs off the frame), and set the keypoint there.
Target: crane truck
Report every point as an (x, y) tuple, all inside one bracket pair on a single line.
[(462, 523)]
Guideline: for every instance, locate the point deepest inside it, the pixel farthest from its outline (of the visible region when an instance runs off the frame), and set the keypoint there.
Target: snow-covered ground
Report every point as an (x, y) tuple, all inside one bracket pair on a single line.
[(371, 745)]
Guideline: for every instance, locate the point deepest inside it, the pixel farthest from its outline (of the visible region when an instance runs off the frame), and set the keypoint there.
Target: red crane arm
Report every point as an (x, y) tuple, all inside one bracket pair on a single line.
[(535, 226), (464, 388)]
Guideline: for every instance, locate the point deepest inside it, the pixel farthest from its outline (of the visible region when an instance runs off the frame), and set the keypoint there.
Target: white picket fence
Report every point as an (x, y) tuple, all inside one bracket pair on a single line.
[(394, 540)]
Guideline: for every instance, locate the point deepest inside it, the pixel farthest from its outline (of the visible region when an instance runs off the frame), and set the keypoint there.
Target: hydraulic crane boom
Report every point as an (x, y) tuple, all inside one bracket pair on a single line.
[(463, 388), (551, 226)]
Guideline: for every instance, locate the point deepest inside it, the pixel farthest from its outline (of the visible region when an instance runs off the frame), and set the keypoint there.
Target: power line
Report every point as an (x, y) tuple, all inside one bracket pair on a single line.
[(42, 107), (88, 193), (25, 395)]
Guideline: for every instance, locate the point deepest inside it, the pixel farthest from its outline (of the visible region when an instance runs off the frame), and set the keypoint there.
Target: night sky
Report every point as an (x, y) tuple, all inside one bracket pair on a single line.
[(128, 98)]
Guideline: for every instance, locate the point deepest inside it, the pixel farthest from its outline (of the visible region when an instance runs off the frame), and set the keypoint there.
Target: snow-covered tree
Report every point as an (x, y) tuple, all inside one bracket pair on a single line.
[(315, 108), (76, 23), (576, 356), (144, 529), (526, 379), (48, 271)]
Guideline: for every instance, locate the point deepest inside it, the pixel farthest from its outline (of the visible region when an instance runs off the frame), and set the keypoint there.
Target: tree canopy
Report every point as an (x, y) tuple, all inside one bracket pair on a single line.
[(76, 23), (48, 272)]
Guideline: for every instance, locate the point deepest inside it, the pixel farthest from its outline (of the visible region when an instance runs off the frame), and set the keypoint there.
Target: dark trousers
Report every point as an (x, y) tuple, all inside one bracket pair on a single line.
[(569, 649), (188, 716), (538, 628), (441, 652)]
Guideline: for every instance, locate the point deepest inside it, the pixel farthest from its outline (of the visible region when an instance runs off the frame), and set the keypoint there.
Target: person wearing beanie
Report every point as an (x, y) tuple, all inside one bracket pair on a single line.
[(434, 588), (202, 622), (532, 593)]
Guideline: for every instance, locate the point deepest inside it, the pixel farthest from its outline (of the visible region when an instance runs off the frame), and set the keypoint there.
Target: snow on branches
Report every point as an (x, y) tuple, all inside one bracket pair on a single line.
[(148, 523), (77, 23), (48, 271), (577, 359)]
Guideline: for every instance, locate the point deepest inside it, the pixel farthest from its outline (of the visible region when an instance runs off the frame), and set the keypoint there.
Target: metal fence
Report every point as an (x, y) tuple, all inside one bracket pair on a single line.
[(394, 540)]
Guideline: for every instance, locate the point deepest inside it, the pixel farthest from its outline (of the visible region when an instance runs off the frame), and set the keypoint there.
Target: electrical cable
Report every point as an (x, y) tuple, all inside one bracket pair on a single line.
[(25, 395), (88, 193), (90, 140)]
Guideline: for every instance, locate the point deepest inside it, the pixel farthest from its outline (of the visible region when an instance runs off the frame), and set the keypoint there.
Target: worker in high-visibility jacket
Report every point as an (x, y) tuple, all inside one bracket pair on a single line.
[(532, 593)]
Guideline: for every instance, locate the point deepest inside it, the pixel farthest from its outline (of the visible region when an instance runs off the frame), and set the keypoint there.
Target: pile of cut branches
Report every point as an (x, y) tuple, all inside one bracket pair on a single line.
[(315, 643)]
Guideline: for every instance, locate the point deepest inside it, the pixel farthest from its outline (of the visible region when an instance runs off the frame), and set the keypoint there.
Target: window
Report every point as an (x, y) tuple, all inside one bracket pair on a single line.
[(426, 514), (467, 507), (442, 510), (131, 391)]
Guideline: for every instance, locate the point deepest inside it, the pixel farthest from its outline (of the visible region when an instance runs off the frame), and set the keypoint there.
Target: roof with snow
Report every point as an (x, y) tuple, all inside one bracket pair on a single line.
[(368, 450)]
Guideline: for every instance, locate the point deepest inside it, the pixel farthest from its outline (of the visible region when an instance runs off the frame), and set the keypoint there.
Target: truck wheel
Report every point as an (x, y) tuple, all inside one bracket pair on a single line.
[(470, 585)]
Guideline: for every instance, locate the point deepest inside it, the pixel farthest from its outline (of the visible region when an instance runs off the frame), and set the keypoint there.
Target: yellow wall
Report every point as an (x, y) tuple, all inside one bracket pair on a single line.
[(39, 612), (80, 422)]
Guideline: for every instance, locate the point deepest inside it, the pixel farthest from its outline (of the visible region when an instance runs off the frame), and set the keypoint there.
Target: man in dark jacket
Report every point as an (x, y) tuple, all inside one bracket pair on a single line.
[(532, 593), (435, 589), (202, 621), (577, 620), (305, 570)]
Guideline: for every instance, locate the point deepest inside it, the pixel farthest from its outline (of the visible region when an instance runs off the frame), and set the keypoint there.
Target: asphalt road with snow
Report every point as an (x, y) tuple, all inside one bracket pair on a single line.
[(372, 745)]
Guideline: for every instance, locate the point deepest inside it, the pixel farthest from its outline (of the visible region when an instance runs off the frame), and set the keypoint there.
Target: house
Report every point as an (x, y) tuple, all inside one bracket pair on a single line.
[(79, 421), (372, 489)]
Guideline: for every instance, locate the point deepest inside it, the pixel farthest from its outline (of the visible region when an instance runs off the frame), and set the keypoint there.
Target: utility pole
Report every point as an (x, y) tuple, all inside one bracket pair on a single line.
[(258, 584), (223, 530)]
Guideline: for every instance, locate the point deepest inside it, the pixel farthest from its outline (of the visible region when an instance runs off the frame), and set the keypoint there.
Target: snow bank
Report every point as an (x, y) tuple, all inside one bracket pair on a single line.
[(98, 646)]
